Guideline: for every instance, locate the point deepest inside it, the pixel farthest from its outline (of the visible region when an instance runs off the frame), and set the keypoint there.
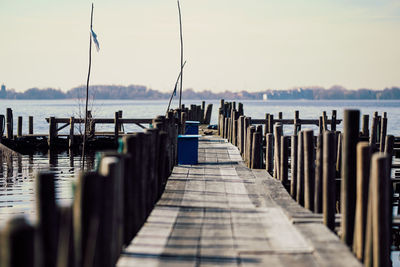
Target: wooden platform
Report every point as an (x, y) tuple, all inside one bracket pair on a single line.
[(220, 213)]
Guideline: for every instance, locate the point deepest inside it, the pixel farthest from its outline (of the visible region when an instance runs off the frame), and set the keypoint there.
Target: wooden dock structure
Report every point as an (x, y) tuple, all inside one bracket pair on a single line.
[(221, 213)]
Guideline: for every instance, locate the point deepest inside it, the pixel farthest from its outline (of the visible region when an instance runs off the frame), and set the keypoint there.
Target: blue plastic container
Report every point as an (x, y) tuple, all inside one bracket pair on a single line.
[(192, 127), (188, 146)]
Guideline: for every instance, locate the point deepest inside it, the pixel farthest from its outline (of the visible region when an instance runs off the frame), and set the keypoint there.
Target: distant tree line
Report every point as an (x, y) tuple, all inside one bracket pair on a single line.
[(142, 92)]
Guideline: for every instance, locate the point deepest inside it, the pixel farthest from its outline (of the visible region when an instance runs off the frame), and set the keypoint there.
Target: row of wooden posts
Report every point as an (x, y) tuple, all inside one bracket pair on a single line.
[(110, 204), (333, 172), (199, 113)]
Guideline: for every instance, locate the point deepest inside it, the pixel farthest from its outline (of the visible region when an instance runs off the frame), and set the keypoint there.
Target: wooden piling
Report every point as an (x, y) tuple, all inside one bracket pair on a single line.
[(296, 123), (383, 134), (71, 132), (256, 159), (300, 168), (47, 217), (363, 172), (374, 134), (277, 151), (269, 152), (293, 166), (284, 160), (52, 132), (9, 123), (30, 125), (389, 144), (365, 125), (116, 127), (379, 228), (93, 220), (19, 126), (309, 174), (18, 244), (319, 175), (333, 121), (329, 180), (112, 168), (351, 125), (241, 129), (249, 142), (207, 115)]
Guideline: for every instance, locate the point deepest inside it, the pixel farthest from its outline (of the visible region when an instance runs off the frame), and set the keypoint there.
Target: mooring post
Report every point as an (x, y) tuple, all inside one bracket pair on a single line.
[(300, 168), (383, 132), (240, 133), (71, 132), (329, 180), (374, 128), (284, 160), (18, 236), (133, 145), (9, 123), (207, 115), (271, 123), (320, 125), (269, 152), (319, 174), (116, 127), (296, 123), (111, 168), (52, 131), (365, 125), (333, 122), (19, 126), (250, 136), (379, 221), (47, 217), (351, 126), (363, 172), (277, 151), (389, 145), (309, 174), (293, 166), (256, 162), (30, 124)]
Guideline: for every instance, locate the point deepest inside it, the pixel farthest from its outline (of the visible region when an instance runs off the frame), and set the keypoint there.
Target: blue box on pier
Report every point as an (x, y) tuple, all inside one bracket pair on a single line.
[(192, 127), (188, 145)]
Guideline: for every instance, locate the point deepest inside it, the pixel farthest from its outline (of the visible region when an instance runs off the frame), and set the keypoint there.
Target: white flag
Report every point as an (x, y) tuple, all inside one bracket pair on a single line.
[(96, 42)]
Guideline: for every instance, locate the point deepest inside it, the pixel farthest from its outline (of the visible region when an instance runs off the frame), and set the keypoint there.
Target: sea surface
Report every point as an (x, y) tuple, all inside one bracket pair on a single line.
[(17, 181)]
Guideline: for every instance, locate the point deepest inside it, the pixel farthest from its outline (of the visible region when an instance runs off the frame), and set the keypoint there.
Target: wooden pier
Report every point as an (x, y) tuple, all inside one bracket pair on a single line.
[(221, 213)]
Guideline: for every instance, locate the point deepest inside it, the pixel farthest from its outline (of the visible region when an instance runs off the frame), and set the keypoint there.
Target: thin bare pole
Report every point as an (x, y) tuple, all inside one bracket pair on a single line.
[(180, 30), (87, 89), (176, 85)]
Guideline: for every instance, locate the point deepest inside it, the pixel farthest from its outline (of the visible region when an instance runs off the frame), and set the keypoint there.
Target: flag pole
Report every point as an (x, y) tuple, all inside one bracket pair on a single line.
[(181, 74), (87, 90), (176, 85)]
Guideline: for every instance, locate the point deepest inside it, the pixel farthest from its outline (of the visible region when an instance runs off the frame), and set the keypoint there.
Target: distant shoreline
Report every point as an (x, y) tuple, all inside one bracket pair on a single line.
[(139, 92)]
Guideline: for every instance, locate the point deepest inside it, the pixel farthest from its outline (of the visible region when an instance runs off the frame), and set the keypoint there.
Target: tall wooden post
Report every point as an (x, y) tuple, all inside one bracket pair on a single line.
[(329, 183), (351, 125), (30, 124), (269, 152), (309, 174), (319, 174), (277, 151), (293, 166), (300, 168), (47, 217), (363, 172), (19, 126), (9, 123)]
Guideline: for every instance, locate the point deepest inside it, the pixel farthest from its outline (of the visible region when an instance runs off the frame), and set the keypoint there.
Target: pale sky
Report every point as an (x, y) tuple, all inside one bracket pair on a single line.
[(229, 44)]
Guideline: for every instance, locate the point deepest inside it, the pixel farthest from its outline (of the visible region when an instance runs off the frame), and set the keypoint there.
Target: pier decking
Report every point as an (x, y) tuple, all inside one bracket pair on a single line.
[(221, 213)]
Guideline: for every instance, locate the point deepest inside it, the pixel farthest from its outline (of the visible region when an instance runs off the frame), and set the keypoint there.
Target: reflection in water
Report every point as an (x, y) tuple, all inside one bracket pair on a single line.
[(17, 183)]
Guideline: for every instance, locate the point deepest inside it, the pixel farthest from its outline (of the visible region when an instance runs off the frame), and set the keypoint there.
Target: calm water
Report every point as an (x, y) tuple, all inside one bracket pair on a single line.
[(17, 180)]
